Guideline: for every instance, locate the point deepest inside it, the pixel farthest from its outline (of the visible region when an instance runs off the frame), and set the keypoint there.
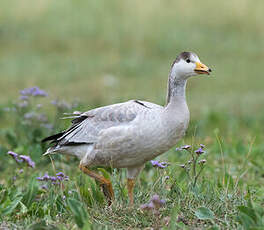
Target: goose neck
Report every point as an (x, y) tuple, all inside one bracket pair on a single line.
[(176, 92)]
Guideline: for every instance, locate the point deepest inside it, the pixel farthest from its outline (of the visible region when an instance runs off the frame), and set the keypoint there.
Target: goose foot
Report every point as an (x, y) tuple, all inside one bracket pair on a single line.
[(104, 183)]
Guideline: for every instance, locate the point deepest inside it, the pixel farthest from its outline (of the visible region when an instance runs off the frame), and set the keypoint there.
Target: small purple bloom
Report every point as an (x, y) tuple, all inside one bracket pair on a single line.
[(157, 201), (155, 198), (199, 151), (23, 104), (186, 147), (151, 205), (61, 174), (23, 98), (53, 178), (20, 171), (15, 156), (55, 182), (154, 163), (158, 164), (61, 105), (46, 177), (154, 205), (202, 146), (33, 91), (29, 115), (12, 154), (28, 160), (178, 149), (63, 197), (166, 177)]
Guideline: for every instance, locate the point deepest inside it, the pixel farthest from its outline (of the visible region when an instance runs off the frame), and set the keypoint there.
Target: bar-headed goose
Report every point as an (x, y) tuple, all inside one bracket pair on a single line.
[(129, 134)]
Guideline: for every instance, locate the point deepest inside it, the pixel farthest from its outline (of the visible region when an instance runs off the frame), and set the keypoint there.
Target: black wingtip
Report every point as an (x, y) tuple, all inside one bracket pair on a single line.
[(53, 137)]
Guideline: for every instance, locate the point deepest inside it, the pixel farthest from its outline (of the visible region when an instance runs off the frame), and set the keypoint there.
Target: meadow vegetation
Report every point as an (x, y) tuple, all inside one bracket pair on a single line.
[(85, 54)]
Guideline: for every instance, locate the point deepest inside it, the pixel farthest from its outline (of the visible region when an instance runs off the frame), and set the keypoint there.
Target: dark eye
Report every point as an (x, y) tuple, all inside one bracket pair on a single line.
[(188, 60)]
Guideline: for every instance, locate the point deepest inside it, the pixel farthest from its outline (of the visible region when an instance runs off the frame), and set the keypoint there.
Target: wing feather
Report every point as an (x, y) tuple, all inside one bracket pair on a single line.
[(87, 126)]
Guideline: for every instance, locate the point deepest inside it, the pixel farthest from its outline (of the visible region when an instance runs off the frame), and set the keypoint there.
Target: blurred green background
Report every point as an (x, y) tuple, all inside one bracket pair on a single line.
[(104, 52)]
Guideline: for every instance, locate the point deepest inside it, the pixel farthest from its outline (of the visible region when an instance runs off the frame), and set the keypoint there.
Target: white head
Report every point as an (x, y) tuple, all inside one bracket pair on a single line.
[(188, 64)]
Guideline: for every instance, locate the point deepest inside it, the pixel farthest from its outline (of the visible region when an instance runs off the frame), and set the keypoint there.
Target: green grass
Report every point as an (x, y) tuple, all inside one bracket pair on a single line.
[(103, 52)]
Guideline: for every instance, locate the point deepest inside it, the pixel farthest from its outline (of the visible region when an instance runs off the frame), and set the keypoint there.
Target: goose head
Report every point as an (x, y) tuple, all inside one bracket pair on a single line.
[(188, 64)]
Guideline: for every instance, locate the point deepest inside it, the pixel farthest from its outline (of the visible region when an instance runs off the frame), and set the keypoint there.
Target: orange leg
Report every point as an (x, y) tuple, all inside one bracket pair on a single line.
[(130, 187), (105, 183)]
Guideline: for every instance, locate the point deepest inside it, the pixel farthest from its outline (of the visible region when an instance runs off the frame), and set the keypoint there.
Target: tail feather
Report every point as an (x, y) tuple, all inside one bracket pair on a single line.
[(51, 150)]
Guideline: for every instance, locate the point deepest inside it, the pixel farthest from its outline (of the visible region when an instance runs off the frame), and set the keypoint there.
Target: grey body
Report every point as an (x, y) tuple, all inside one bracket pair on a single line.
[(125, 135), (128, 134)]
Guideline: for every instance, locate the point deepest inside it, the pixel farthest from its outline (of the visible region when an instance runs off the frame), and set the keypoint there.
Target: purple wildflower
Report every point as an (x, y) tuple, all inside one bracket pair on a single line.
[(55, 182), (53, 178), (147, 206), (23, 104), (46, 177), (178, 149), (23, 98), (186, 147), (199, 151), (61, 105), (29, 115), (158, 164), (60, 176), (166, 177), (15, 156), (157, 201), (28, 160), (33, 91), (154, 205), (12, 154), (63, 197), (36, 117), (39, 178), (202, 146), (20, 171)]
